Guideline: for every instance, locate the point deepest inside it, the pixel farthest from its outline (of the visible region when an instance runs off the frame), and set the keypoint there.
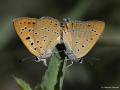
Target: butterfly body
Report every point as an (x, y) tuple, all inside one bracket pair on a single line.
[(40, 36)]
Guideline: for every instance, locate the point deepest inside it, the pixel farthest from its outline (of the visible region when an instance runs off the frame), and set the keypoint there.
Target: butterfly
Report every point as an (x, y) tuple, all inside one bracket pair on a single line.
[(80, 36), (40, 36)]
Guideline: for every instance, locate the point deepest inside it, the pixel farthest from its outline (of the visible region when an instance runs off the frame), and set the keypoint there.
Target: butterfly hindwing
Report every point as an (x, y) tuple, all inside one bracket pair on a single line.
[(47, 34)]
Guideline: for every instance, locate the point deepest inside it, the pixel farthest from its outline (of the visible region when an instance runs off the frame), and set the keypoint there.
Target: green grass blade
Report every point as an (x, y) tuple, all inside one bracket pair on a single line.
[(22, 84)]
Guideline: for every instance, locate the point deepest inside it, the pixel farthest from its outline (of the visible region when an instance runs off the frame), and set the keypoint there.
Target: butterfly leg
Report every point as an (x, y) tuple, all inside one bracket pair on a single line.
[(71, 62), (44, 62), (80, 60)]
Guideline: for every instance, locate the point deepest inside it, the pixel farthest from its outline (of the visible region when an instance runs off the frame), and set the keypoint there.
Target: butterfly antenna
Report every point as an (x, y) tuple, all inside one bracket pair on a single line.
[(26, 59), (69, 62)]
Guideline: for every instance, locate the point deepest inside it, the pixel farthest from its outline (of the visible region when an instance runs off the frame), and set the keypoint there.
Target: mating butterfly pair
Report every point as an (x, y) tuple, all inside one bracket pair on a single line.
[(40, 36)]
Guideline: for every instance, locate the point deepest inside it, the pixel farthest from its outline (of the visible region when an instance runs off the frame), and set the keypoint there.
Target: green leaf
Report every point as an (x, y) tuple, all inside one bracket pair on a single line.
[(54, 75), (22, 84)]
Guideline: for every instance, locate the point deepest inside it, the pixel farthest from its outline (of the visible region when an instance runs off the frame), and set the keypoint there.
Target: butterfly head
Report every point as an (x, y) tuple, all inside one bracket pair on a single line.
[(38, 59)]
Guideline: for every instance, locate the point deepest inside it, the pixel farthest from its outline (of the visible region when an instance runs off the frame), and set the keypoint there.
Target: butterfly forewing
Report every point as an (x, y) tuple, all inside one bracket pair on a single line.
[(38, 35), (80, 37), (25, 28)]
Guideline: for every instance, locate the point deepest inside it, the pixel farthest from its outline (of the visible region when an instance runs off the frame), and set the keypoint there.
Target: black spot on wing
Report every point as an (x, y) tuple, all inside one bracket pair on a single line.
[(33, 23), (91, 39), (32, 43), (25, 27), (93, 30), (27, 38), (35, 48), (37, 41), (89, 25), (56, 24), (83, 46), (29, 30)]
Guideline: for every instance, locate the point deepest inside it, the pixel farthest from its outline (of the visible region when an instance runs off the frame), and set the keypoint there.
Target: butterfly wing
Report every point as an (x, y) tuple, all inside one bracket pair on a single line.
[(47, 34), (38, 35), (25, 28), (80, 37)]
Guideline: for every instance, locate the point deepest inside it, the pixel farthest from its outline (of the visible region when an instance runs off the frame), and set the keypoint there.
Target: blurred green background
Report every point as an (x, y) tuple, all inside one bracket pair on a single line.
[(101, 66)]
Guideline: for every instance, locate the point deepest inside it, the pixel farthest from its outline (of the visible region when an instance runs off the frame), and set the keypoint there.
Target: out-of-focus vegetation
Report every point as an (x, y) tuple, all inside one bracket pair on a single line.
[(101, 67)]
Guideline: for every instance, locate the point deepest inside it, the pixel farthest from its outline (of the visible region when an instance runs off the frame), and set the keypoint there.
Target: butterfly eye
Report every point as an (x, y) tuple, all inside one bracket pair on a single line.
[(37, 59), (66, 20)]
